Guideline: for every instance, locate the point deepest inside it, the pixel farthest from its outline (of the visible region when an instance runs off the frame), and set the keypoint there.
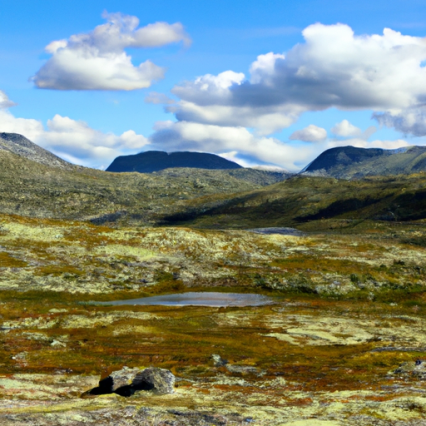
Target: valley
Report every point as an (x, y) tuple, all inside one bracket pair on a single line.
[(343, 262)]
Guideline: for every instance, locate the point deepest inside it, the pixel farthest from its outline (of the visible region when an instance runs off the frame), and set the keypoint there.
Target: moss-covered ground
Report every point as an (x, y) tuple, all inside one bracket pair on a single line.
[(350, 307)]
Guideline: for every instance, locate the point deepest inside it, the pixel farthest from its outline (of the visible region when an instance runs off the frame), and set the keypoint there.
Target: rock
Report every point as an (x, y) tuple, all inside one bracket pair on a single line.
[(242, 369), (218, 361), (127, 381), (118, 379), (416, 368), (158, 380)]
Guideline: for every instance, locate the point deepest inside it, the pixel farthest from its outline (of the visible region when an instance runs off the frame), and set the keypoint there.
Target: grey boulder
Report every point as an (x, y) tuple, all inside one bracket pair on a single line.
[(158, 380), (127, 381)]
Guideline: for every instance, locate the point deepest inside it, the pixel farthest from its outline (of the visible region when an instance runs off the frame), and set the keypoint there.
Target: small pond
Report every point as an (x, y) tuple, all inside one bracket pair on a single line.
[(281, 231), (198, 299)]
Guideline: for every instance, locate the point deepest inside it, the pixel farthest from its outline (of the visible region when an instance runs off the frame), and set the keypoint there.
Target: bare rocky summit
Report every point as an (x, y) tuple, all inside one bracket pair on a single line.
[(20, 145)]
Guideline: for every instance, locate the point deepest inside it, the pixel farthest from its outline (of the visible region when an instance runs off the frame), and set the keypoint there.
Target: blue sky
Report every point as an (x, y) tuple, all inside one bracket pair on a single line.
[(317, 85)]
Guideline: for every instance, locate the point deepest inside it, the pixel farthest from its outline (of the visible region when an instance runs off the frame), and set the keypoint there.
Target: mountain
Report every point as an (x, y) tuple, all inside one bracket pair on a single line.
[(20, 145), (153, 161), (349, 162)]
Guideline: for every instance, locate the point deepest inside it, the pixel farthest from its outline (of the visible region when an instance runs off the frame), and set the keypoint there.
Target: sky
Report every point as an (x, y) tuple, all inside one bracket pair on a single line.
[(265, 83)]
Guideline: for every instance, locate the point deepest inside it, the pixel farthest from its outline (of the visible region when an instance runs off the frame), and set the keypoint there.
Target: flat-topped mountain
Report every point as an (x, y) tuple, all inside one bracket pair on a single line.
[(350, 162), (154, 161), (20, 145)]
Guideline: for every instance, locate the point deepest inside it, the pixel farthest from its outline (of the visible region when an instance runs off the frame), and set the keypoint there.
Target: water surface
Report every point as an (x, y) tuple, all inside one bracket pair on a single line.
[(199, 299)]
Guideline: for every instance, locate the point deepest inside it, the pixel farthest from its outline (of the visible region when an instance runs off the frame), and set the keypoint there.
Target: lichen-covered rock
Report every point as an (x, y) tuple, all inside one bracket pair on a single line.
[(416, 368), (118, 379), (127, 381), (158, 380)]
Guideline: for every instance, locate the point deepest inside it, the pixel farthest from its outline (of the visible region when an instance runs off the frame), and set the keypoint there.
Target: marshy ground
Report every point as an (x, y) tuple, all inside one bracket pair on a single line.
[(350, 308)]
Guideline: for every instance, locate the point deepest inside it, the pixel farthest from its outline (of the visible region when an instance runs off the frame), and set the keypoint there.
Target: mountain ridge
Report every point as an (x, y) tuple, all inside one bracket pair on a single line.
[(349, 162), (20, 145)]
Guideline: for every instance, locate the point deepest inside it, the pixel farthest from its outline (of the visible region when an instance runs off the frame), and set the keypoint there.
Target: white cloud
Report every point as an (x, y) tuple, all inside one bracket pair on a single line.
[(5, 102), (332, 68), (236, 142), (97, 60), (158, 99), (345, 129), (362, 143), (311, 133), (75, 141)]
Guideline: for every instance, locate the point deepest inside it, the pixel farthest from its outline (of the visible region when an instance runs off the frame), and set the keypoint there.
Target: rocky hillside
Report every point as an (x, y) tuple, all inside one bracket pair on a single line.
[(153, 161), (349, 162), (20, 145), (30, 188), (314, 203)]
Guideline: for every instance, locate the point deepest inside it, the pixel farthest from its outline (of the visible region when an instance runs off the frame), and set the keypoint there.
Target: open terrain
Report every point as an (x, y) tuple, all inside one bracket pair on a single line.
[(348, 311)]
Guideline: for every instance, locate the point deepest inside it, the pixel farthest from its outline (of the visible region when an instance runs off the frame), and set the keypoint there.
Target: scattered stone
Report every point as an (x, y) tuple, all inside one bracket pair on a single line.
[(242, 369), (218, 361), (416, 368), (58, 343)]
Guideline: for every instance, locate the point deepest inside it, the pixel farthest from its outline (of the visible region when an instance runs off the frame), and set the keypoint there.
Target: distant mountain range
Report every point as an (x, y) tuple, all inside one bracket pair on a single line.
[(349, 162), (346, 162), (154, 161)]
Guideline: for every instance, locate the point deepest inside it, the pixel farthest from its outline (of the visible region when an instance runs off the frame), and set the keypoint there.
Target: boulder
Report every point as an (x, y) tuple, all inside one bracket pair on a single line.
[(158, 380), (118, 379), (127, 381)]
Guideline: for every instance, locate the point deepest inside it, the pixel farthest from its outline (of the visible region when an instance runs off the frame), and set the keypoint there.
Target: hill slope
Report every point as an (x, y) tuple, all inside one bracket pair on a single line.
[(153, 161), (351, 162), (309, 202), (20, 145), (30, 188)]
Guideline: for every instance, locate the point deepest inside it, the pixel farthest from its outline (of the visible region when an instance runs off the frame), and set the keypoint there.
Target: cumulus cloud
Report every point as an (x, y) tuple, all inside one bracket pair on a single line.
[(72, 140), (332, 68), (345, 129), (210, 100), (311, 133), (97, 60)]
